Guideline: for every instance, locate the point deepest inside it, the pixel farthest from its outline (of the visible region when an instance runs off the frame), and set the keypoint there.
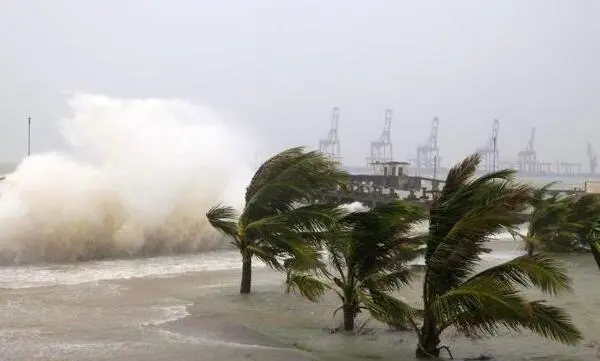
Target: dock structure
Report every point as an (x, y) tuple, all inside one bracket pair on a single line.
[(391, 182), (388, 182)]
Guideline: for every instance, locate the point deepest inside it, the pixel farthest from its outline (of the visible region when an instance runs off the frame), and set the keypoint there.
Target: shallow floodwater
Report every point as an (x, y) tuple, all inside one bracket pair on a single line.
[(188, 308)]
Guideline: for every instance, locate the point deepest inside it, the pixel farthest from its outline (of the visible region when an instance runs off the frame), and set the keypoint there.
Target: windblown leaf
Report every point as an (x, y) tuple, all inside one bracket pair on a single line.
[(223, 219), (290, 177), (309, 287), (529, 270), (458, 243), (595, 248), (388, 309), (552, 322)]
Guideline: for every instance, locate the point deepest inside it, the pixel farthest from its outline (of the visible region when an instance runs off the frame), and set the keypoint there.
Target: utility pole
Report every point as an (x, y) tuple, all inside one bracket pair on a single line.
[(435, 167), (494, 162), (434, 183), (28, 136)]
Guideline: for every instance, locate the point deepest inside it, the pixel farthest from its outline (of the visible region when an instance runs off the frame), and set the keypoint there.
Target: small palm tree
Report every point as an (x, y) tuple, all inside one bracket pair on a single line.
[(550, 226), (368, 252), (280, 217), (468, 213), (595, 246), (586, 214)]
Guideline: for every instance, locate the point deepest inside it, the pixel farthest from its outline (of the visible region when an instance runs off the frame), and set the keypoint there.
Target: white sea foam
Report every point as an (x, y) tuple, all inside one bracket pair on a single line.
[(138, 180), (170, 313), (17, 277)]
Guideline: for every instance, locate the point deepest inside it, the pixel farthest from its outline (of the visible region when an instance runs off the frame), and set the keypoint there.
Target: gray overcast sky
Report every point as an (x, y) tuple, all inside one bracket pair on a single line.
[(279, 66)]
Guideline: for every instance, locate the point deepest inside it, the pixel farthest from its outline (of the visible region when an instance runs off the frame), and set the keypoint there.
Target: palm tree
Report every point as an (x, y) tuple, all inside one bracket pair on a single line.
[(280, 217), (586, 214), (468, 213), (549, 223), (368, 253), (595, 246)]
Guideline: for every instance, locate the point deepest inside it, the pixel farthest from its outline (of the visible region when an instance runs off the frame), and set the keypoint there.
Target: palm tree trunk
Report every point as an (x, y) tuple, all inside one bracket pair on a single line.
[(246, 283), (349, 316), (530, 249), (529, 244), (595, 251), (428, 340)]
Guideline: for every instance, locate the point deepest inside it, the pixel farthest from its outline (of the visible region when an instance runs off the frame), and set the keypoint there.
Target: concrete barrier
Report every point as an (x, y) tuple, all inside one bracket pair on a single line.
[(592, 187)]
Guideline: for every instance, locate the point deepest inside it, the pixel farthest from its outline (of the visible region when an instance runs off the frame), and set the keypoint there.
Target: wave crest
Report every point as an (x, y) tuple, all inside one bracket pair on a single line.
[(138, 179)]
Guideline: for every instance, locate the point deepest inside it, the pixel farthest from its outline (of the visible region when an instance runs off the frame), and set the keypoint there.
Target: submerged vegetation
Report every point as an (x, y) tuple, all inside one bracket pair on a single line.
[(363, 256), (467, 213), (368, 252), (559, 223), (549, 223), (586, 215)]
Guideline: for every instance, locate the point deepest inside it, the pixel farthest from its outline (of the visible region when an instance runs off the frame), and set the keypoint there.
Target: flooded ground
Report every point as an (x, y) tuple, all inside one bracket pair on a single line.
[(188, 308)]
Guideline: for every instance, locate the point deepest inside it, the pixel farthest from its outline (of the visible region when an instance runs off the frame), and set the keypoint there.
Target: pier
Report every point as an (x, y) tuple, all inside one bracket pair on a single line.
[(389, 181)]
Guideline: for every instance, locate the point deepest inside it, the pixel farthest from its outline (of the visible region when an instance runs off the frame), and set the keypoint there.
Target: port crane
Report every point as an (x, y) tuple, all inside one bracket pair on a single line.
[(489, 153), (528, 157), (592, 158), (428, 153), (330, 146), (382, 150)]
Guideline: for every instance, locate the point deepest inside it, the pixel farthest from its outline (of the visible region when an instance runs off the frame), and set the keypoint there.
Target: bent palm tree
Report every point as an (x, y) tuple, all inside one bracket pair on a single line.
[(550, 225), (467, 213), (586, 213), (279, 217), (368, 252)]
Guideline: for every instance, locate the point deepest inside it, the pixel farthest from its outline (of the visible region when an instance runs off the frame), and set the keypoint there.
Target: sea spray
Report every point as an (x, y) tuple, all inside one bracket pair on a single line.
[(138, 179)]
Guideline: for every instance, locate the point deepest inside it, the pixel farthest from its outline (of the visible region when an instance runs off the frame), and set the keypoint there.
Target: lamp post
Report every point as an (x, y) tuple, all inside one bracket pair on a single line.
[(495, 153), (28, 136)]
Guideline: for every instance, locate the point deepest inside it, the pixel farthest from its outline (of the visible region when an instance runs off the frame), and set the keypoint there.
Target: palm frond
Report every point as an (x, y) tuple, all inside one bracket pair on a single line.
[(223, 219), (486, 304), (389, 310), (550, 223), (455, 245), (269, 226), (540, 193), (552, 323), (595, 248), (481, 306), (389, 281), (536, 270), (308, 286), (267, 254), (270, 168), (381, 237), (290, 177), (459, 175), (306, 259), (499, 200), (315, 223), (585, 212)]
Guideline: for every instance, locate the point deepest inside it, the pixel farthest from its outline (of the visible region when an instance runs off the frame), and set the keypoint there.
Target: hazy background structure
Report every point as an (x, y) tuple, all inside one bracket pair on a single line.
[(274, 67)]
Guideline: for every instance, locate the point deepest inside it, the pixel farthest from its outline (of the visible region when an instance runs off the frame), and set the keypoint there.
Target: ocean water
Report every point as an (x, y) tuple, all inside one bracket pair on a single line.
[(188, 308), (105, 254)]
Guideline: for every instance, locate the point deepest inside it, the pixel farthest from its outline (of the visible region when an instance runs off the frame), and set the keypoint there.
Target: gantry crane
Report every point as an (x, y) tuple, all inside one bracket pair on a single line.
[(489, 153), (527, 157), (592, 158), (330, 146), (382, 150), (428, 153)]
